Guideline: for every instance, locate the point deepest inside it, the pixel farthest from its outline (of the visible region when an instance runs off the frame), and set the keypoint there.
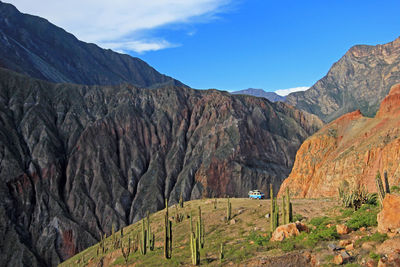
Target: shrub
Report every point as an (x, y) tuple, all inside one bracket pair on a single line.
[(376, 237), (364, 217)]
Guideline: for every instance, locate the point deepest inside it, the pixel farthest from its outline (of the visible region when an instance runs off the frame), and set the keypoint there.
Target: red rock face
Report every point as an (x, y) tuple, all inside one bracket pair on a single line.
[(352, 148)]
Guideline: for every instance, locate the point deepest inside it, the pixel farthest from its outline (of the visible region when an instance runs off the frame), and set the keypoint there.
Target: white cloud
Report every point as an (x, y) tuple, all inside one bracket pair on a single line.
[(106, 22), (285, 92)]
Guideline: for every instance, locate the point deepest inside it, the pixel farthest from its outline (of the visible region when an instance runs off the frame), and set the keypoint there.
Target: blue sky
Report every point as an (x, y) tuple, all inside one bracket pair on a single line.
[(225, 44)]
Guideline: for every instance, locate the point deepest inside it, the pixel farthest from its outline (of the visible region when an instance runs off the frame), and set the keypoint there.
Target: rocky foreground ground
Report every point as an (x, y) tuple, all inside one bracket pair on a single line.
[(325, 234)]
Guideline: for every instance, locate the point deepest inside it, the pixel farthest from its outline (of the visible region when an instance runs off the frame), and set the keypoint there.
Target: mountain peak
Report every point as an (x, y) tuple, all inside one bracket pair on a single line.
[(390, 106)]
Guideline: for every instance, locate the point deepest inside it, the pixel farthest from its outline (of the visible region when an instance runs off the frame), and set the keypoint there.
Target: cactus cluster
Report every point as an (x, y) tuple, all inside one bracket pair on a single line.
[(167, 233), (355, 198), (196, 238), (274, 220)]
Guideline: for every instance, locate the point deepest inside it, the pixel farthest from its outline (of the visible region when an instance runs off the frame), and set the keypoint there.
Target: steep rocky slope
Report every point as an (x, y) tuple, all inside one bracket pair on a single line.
[(352, 148), (33, 46), (76, 159), (271, 96), (359, 80)]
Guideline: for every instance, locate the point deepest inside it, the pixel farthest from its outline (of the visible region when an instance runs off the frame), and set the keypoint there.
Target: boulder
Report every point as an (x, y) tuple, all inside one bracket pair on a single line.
[(388, 218), (288, 230), (389, 246), (342, 229)]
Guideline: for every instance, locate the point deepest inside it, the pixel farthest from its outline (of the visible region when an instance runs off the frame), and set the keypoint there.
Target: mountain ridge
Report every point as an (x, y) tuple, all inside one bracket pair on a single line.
[(33, 46), (359, 80), (351, 149), (271, 96)]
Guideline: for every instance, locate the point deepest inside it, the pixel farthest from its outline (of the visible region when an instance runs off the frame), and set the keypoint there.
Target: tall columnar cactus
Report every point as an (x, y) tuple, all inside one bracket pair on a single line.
[(143, 241), (215, 203), (200, 230), (195, 249), (387, 186), (228, 211), (379, 187), (168, 234), (276, 217), (288, 217), (191, 222), (271, 192), (284, 213), (150, 236), (273, 209), (181, 201), (221, 252)]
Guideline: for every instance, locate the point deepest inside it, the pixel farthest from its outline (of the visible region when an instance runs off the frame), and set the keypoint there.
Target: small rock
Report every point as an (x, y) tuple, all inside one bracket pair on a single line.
[(333, 247), (368, 245), (370, 263), (350, 247), (338, 259), (345, 255), (240, 211), (233, 221), (363, 229), (288, 230), (329, 225), (260, 205), (344, 243), (342, 229), (256, 228), (267, 215), (252, 242)]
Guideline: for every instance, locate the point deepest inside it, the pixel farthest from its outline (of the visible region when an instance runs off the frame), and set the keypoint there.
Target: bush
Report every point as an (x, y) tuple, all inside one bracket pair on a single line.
[(319, 221), (376, 237), (364, 217)]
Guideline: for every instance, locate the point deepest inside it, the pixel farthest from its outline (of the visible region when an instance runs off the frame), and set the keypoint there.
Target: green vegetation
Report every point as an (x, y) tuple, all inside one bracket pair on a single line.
[(376, 237), (364, 217)]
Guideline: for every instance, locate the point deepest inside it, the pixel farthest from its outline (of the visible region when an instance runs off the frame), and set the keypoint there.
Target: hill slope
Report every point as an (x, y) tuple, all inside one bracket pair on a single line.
[(31, 45), (76, 159), (352, 148), (359, 80)]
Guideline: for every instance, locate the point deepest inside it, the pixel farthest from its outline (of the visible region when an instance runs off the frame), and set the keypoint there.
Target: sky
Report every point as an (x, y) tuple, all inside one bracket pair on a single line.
[(227, 44)]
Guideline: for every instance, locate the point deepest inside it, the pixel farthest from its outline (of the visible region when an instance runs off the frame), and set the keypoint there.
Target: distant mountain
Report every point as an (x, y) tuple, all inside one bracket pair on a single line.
[(271, 96), (77, 159), (350, 150), (33, 46), (359, 80)]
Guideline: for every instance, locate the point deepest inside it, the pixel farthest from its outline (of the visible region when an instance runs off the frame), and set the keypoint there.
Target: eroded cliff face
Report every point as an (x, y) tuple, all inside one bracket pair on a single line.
[(359, 80), (76, 159), (352, 148)]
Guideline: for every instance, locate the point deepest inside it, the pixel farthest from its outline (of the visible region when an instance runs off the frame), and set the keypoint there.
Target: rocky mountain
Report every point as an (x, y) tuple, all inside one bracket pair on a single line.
[(33, 46), (352, 148), (271, 96), (359, 80), (75, 159)]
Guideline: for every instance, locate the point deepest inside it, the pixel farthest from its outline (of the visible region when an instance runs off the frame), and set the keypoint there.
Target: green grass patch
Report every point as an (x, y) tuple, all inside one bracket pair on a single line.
[(376, 237), (363, 217), (374, 256)]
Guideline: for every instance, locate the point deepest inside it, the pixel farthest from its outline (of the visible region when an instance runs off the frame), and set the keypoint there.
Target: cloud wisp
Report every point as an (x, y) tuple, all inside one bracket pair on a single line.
[(123, 25), (285, 92)]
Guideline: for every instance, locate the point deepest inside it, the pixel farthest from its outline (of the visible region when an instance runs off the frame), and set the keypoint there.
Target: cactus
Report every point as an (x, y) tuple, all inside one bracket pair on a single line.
[(143, 241), (178, 216), (284, 210), (150, 236), (191, 222), (379, 187), (168, 234), (200, 230), (288, 213), (181, 201), (387, 187), (271, 192), (125, 253), (194, 247), (113, 235), (228, 211), (215, 203), (221, 252)]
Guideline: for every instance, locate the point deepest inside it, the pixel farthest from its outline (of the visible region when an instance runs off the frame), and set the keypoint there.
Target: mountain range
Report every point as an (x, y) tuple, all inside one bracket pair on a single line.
[(271, 96)]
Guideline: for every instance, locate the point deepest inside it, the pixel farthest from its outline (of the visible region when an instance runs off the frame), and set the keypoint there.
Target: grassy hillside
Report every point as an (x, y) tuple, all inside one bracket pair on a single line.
[(245, 238)]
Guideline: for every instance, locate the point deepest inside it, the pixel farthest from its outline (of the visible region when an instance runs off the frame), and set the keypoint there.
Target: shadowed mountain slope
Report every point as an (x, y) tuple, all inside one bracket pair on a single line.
[(75, 159), (31, 45)]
